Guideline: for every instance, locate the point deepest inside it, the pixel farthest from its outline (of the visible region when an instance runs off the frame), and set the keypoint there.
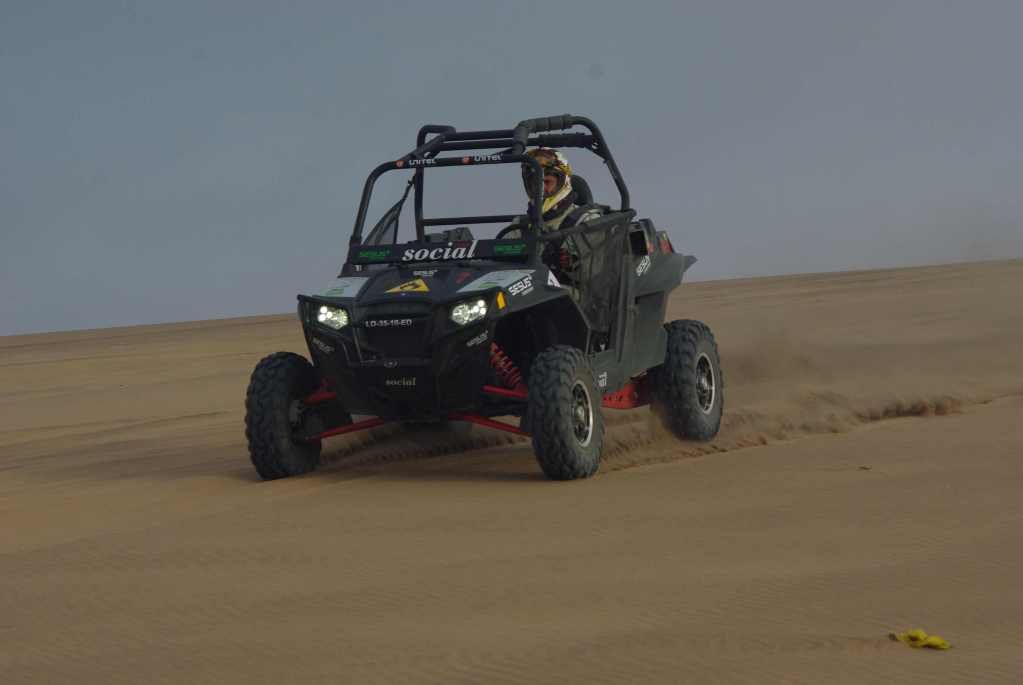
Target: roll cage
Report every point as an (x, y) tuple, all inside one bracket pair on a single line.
[(501, 146)]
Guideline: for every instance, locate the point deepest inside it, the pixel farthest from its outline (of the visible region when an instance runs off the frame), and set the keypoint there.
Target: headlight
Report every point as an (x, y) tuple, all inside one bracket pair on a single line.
[(333, 317), (465, 313)]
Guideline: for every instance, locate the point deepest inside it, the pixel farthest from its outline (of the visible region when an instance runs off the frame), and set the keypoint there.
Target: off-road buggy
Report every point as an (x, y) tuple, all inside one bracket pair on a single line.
[(449, 327)]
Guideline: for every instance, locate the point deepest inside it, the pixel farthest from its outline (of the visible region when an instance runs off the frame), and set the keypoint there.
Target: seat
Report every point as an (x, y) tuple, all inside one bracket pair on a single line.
[(583, 194)]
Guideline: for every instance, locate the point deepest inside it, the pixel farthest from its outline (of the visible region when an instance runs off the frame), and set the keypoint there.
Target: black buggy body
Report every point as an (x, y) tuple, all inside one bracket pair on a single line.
[(451, 327)]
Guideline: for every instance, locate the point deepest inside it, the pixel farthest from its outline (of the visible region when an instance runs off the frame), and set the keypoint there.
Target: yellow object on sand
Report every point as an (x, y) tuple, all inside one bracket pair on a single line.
[(918, 638)]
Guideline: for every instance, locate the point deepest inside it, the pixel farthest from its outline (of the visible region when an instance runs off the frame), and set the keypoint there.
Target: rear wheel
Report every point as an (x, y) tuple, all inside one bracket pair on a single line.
[(564, 414), (689, 385), (273, 411)]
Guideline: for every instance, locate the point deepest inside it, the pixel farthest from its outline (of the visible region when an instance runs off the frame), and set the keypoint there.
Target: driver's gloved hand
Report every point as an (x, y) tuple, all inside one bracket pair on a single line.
[(565, 260), (551, 253)]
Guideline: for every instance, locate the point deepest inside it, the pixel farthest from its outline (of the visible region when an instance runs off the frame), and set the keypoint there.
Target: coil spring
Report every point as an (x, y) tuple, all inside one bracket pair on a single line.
[(507, 372)]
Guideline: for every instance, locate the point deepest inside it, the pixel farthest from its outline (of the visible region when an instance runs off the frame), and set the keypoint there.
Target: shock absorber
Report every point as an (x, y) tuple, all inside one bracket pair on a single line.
[(507, 372)]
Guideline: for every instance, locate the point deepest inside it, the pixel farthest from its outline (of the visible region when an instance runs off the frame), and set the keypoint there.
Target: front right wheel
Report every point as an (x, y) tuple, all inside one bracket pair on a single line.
[(564, 414), (689, 386), (273, 411)]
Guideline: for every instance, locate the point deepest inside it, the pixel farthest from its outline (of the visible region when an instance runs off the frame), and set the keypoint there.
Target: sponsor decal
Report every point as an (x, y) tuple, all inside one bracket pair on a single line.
[(424, 272), (480, 158), (416, 286), (322, 346), (390, 364), (509, 249), (481, 338), (552, 280), (378, 254), (345, 287), (496, 279), (401, 163), (643, 266), (602, 379), (521, 287), (436, 254), (408, 382), (388, 323)]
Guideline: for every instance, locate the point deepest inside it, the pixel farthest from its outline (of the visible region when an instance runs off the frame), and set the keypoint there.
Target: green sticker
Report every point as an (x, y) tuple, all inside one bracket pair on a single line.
[(512, 250), (345, 287), (374, 254)]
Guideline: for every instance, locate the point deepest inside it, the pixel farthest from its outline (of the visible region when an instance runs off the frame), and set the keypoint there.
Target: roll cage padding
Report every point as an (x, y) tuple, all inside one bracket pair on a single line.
[(542, 124)]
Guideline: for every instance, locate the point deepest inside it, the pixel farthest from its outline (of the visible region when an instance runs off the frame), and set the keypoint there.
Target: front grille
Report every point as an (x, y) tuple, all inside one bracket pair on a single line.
[(393, 344), (394, 330)]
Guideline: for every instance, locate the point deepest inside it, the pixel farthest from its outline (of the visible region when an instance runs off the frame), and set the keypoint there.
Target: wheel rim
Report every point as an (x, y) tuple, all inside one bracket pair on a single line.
[(582, 414), (705, 386), (296, 409)]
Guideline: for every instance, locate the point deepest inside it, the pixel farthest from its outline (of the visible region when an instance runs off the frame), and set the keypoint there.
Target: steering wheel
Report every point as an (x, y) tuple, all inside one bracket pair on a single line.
[(508, 229)]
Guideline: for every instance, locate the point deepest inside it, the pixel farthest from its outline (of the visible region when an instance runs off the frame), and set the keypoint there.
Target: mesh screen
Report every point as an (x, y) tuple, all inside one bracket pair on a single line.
[(600, 259)]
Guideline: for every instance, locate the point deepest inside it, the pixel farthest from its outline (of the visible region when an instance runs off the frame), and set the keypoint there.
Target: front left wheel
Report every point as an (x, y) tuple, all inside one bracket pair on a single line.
[(273, 412), (564, 414)]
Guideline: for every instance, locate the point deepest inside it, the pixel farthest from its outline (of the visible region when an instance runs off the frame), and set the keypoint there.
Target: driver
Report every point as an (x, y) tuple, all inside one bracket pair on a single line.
[(558, 205)]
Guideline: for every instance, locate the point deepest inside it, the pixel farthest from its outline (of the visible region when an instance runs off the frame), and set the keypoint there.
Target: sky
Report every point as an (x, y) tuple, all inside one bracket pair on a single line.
[(166, 161)]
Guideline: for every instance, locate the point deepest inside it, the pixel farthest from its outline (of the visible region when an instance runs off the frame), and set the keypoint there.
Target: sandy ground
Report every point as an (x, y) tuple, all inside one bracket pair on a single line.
[(867, 479)]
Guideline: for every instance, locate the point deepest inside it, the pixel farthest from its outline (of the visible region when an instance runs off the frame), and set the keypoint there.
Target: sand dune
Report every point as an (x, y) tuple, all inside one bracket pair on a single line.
[(866, 479)]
